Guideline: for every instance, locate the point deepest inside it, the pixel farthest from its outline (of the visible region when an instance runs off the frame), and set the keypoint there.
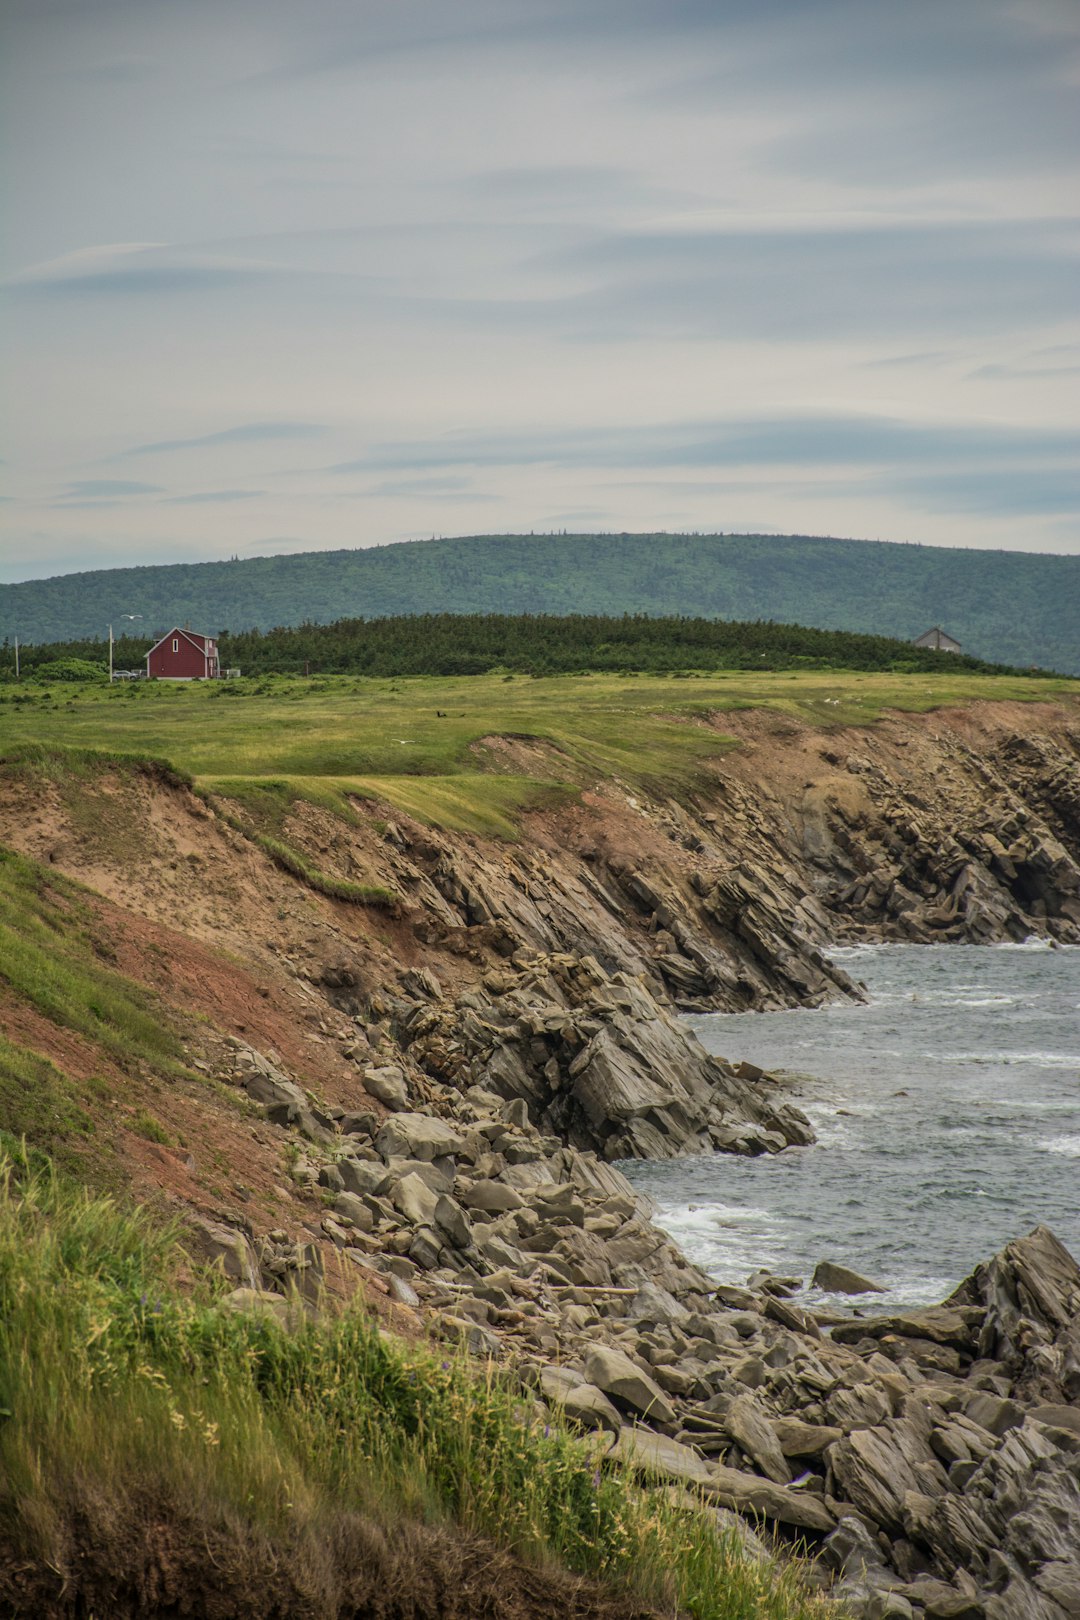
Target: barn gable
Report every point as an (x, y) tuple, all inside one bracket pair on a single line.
[(939, 640), (183, 655)]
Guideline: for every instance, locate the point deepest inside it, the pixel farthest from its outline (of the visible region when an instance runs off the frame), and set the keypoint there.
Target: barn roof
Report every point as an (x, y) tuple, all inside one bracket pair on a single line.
[(197, 640)]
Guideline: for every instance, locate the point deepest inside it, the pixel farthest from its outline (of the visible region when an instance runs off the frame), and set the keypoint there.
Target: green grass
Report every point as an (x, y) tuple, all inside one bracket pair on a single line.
[(54, 956), (335, 888), (42, 1105), (55, 961), (413, 742), (121, 1399)]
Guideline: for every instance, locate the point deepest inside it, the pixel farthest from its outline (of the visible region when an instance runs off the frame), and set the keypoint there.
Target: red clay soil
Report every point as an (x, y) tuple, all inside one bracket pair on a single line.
[(71, 1052), (262, 1008)]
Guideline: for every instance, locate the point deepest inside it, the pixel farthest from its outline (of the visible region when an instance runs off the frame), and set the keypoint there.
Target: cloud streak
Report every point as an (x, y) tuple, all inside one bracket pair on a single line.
[(851, 441), (244, 433)]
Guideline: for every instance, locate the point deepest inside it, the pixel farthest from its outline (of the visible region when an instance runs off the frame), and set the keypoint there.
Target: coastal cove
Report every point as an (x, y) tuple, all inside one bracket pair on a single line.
[(947, 1111)]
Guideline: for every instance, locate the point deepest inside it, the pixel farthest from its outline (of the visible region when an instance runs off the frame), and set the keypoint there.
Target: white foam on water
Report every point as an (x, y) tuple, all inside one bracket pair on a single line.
[(728, 1242), (701, 1217), (1067, 1146), (1028, 1105), (1007, 1060)]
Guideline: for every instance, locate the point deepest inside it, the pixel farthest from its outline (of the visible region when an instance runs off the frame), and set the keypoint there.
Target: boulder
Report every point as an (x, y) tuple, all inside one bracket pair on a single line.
[(876, 1472), (226, 1249), (418, 1136), (388, 1086), (1030, 1289), (799, 1439), (613, 1372), (452, 1219), (363, 1177), (491, 1197), (414, 1201), (656, 1455), (590, 1406), (402, 1291), (273, 1090), (257, 1302), (358, 1212), (940, 1324), (747, 1493), (834, 1279), (749, 1427)]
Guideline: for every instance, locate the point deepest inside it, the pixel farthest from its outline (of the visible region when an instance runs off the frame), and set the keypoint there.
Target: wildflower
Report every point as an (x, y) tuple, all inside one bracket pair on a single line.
[(596, 1480), (547, 1430)]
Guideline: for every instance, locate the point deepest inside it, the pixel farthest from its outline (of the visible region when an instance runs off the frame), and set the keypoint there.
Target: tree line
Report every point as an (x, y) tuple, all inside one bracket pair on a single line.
[(529, 644)]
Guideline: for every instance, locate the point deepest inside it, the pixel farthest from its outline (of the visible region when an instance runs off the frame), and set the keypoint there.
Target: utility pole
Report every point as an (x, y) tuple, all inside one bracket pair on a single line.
[(123, 616), (17, 675)]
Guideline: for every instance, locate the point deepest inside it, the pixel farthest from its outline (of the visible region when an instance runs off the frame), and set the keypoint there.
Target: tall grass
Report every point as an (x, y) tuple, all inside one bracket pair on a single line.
[(121, 1398)]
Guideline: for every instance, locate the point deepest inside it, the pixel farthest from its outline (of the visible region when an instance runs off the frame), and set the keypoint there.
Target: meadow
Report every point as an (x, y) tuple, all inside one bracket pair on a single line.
[(417, 742)]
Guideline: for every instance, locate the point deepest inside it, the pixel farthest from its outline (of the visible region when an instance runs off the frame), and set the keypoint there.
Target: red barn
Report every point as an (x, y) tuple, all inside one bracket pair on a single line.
[(182, 655)]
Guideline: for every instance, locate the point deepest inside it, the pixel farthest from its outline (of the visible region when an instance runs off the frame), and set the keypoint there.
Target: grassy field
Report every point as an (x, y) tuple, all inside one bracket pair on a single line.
[(412, 742)]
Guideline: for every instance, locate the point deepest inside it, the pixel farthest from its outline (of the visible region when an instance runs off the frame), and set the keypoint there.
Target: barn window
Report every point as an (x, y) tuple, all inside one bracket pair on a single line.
[(175, 645)]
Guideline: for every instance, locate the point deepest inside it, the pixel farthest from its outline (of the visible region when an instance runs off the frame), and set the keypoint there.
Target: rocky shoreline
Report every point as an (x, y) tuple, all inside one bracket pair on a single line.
[(931, 1458), (510, 1031)]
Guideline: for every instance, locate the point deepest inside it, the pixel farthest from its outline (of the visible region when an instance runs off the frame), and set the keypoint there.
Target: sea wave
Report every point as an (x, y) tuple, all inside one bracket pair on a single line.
[(1067, 1146)]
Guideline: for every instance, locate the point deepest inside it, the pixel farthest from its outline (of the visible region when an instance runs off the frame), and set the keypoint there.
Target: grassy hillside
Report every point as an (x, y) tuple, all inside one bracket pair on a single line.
[(1008, 607), (156, 1444)]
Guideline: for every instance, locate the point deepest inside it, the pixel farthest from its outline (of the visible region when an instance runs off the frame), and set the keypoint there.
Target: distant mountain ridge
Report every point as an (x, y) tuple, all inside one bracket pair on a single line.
[(1010, 607)]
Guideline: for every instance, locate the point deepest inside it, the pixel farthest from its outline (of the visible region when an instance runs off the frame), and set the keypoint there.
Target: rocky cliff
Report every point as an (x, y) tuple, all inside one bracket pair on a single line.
[(424, 1102)]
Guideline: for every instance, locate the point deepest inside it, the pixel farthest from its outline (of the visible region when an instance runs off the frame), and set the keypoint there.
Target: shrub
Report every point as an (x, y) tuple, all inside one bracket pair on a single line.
[(68, 669)]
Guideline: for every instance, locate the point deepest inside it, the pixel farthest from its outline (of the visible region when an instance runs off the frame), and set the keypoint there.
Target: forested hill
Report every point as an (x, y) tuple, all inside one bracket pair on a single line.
[(1009, 607)]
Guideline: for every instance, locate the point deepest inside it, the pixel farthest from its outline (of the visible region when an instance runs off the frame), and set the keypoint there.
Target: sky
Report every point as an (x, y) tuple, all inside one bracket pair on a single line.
[(282, 277)]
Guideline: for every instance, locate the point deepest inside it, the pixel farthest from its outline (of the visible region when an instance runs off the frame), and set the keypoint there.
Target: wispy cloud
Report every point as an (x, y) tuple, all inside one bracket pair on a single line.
[(820, 440), (405, 488), (89, 488), (244, 433), (210, 496), (1022, 492), (1008, 372)]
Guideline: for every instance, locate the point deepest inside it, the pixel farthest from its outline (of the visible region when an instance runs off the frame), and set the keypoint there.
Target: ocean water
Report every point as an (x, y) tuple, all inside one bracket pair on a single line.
[(948, 1118)]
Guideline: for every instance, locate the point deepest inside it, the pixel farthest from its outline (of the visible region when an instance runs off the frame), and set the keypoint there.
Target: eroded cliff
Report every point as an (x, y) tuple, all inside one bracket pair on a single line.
[(422, 1101)]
